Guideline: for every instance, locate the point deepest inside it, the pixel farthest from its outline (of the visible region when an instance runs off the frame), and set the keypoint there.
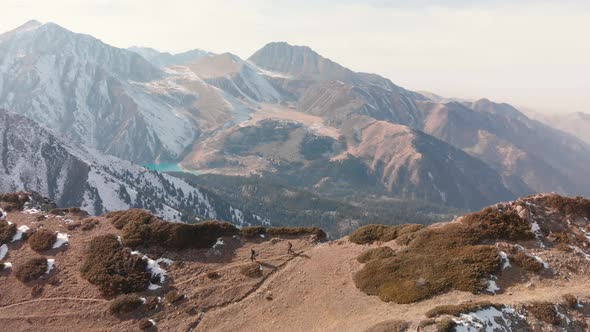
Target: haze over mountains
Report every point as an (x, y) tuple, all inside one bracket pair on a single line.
[(286, 114)]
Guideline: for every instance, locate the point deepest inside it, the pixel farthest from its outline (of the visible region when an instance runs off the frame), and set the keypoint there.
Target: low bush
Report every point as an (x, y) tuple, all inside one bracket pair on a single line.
[(89, 224), (175, 235), (545, 312), (368, 234), (297, 231), (438, 260), (570, 301), (173, 296), (527, 262), (64, 211), (371, 233), (457, 309), (145, 324), (112, 268), (578, 206), (120, 218), (491, 225), (125, 304), (13, 201), (390, 326), (7, 231), (446, 325), (32, 269), (375, 253), (252, 232), (213, 275), (251, 270), (42, 240)]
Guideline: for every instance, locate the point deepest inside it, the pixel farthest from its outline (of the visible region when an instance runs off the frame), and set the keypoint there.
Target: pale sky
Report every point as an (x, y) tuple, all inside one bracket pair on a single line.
[(532, 53)]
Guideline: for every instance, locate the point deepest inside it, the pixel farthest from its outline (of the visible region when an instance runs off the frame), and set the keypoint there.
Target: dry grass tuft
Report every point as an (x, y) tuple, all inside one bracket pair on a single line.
[(173, 296), (373, 232), (121, 218), (527, 262), (454, 256), (298, 231), (32, 269), (446, 325), (578, 206), (490, 224), (375, 253), (252, 232), (570, 301), (545, 312), (125, 304), (213, 275), (368, 234), (175, 235), (112, 268), (13, 201), (251, 270), (145, 324), (42, 240), (457, 309), (6, 232), (390, 326)]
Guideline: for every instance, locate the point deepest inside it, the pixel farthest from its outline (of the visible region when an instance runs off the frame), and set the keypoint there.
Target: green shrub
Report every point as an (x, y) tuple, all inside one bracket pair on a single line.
[(42, 240), (112, 268), (375, 253), (125, 304), (7, 231), (545, 312), (32, 269)]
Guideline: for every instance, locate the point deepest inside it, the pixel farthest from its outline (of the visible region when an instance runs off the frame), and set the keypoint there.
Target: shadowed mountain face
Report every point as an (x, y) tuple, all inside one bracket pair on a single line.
[(529, 155), (33, 158), (576, 124), (286, 112)]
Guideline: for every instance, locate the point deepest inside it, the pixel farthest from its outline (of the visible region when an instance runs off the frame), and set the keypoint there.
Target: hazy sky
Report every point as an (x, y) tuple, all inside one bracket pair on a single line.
[(533, 53)]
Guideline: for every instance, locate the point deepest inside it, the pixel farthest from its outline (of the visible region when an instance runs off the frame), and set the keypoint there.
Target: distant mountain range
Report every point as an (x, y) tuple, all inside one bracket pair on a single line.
[(285, 113)]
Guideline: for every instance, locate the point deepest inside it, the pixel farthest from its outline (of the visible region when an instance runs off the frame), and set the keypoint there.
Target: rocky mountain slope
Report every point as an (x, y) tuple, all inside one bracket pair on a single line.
[(33, 158), (529, 273), (86, 91), (576, 124), (284, 112), (165, 59)]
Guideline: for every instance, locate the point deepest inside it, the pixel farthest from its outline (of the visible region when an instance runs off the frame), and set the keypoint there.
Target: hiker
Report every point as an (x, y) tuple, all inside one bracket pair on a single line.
[(252, 255), (290, 250)]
